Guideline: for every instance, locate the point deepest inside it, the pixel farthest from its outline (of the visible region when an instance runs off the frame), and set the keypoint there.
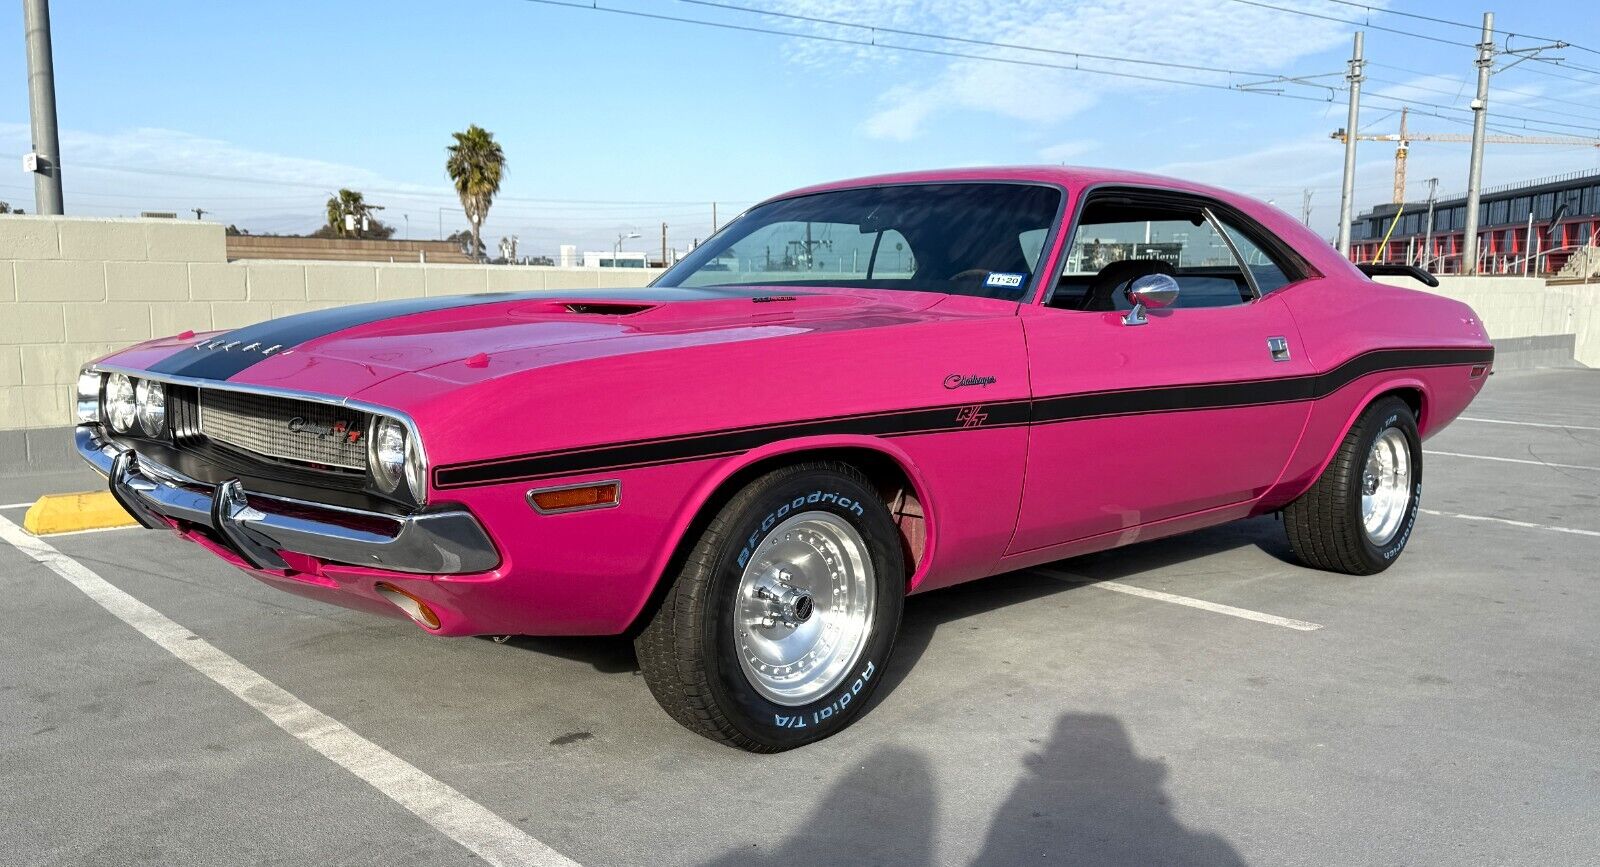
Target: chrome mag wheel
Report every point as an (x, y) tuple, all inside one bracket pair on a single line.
[(1386, 486), (805, 608)]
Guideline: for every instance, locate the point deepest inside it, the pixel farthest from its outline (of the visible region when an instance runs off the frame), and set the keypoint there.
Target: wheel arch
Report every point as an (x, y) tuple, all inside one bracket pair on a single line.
[(1408, 388), (889, 468)]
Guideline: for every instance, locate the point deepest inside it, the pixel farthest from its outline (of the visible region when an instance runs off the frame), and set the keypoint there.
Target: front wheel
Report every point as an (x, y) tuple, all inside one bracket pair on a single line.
[(1358, 516), (778, 626)]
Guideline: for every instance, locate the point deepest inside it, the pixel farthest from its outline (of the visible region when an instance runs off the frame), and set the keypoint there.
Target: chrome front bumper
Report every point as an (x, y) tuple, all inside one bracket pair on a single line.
[(435, 543)]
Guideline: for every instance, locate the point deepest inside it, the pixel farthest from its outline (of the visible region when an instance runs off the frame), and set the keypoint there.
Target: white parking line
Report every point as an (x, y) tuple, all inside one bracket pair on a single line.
[(1526, 525), (1159, 596), (1512, 460), (453, 814), (1525, 423), (16, 506)]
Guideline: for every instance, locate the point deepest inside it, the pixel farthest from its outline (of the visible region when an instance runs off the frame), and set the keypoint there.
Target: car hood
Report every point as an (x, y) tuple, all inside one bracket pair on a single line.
[(465, 339)]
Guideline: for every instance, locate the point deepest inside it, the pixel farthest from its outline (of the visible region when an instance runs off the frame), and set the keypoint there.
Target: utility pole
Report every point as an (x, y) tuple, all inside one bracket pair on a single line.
[(45, 159), (1427, 239), (663, 245), (1305, 207), (1480, 116), (713, 218), (1352, 123), (199, 213)]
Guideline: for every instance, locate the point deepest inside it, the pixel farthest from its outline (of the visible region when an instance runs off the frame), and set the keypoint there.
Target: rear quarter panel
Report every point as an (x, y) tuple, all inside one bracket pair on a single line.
[(1341, 318)]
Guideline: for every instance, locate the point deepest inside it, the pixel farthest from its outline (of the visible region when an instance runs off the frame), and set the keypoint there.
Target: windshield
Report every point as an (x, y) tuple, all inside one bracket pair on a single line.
[(959, 239)]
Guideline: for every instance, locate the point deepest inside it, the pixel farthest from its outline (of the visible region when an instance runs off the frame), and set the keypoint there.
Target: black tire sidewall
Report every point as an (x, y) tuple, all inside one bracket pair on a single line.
[(780, 726), (1383, 416)]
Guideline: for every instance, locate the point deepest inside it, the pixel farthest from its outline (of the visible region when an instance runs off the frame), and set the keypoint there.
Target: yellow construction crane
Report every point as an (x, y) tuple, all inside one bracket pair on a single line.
[(1405, 137)]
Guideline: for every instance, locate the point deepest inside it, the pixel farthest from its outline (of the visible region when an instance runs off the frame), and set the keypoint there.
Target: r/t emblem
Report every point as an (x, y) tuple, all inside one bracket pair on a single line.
[(971, 416)]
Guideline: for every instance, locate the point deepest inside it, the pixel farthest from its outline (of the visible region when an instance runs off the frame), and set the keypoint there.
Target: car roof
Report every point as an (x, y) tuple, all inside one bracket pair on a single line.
[(1317, 251)]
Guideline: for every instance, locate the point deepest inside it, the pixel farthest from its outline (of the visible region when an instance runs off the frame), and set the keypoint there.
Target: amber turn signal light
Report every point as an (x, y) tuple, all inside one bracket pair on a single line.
[(414, 608), (601, 495)]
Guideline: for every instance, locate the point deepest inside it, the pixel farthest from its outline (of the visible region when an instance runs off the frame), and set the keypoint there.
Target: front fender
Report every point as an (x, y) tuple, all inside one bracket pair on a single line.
[(715, 488)]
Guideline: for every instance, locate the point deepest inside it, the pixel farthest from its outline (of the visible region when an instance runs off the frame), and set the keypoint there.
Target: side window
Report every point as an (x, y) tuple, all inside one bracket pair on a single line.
[(1116, 242), (894, 261), (1270, 276)]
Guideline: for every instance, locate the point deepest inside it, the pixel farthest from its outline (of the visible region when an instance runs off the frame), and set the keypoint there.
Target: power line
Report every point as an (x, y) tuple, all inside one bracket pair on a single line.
[(1461, 92), (936, 52), (1366, 24), (1465, 24), (874, 28), (1498, 89)]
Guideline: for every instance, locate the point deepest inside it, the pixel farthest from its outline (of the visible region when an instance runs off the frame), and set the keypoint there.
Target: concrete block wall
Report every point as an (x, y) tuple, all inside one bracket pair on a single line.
[(74, 289)]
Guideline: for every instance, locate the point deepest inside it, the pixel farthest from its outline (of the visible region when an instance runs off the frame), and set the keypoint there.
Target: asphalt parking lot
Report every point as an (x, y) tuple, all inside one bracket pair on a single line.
[(1443, 711)]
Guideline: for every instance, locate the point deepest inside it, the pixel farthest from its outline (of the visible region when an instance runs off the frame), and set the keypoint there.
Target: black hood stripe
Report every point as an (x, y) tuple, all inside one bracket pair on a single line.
[(226, 355), (222, 357)]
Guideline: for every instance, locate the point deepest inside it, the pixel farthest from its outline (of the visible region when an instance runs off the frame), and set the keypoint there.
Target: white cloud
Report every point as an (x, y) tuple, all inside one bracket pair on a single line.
[(1202, 32)]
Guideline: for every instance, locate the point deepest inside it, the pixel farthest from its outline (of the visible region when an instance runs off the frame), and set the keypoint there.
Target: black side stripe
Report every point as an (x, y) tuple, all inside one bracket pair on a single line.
[(1012, 413)]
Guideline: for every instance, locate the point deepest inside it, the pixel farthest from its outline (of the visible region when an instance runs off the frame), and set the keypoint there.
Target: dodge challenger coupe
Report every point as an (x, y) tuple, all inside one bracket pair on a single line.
[(851, 393)]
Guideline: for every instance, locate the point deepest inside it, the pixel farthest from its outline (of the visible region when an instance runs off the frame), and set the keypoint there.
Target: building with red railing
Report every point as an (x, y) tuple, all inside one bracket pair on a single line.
[(1533, 226)]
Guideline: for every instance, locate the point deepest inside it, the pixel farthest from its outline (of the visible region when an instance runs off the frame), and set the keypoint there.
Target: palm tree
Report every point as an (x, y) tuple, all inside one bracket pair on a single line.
[(476, 165), (348, 203)]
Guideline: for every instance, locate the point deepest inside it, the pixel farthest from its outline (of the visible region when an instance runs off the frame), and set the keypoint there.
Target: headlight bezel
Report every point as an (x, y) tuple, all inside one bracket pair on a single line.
[(409, 482), (90, 396)]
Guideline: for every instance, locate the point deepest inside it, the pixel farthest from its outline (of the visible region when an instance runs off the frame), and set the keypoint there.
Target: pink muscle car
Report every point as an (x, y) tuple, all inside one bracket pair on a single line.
[(852, 393)]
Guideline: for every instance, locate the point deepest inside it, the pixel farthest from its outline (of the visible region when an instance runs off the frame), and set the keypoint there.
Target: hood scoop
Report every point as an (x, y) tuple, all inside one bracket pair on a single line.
[(606, 308)]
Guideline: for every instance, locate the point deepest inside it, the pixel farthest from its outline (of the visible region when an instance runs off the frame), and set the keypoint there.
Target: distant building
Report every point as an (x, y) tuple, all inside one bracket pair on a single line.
[(569, 256), (1565, 214), (624, 259)]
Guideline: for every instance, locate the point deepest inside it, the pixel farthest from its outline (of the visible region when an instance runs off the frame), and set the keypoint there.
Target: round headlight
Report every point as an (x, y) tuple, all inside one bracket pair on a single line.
[(120, 403), (152, 400), (388, 454)]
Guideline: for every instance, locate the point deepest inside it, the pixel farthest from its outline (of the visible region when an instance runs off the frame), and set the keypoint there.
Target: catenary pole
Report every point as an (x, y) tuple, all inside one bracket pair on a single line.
[(1427, 241), (42, 108), (1348, 191), (1480, 116)]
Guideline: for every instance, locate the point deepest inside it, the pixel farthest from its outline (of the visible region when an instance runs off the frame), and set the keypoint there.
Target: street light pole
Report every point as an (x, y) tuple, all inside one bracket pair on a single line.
[(1427, 240), (616, 249), (1347, 193), (45, 160), (1480, 116)]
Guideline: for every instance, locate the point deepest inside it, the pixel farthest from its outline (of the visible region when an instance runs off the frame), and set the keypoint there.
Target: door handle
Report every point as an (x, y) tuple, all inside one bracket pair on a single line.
[(1279, 347)]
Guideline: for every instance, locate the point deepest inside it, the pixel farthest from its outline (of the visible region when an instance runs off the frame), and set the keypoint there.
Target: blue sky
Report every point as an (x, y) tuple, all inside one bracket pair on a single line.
[(614, 123)]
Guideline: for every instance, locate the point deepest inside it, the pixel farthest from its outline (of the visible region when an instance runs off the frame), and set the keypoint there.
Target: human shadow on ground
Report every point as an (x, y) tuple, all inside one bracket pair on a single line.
[(1085, 798), (882, 812)]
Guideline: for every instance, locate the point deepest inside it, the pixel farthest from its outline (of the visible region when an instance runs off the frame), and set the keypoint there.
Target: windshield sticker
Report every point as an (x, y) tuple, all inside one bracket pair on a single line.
[(1004, 280)]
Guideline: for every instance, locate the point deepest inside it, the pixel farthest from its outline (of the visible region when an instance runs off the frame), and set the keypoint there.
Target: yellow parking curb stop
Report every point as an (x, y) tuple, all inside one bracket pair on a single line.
[(70, 513)]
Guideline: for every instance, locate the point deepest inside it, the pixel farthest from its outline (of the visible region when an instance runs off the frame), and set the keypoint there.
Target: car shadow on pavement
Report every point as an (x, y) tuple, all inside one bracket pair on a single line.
[(1085, 797), (609, 654), (924, 614)]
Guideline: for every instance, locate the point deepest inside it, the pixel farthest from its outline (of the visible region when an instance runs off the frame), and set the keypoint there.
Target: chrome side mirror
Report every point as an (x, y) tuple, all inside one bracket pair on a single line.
[(1152, 291)]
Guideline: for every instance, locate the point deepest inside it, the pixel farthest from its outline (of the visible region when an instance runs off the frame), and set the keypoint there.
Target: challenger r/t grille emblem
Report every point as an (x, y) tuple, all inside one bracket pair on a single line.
[(339, 430)]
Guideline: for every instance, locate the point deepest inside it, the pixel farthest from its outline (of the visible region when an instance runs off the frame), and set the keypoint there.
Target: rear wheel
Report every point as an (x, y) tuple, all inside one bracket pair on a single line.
[(778, 626), (1358, 516)]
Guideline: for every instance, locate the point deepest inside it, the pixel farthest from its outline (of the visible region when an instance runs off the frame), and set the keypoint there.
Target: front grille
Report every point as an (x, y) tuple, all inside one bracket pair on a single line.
[(299, 431)]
